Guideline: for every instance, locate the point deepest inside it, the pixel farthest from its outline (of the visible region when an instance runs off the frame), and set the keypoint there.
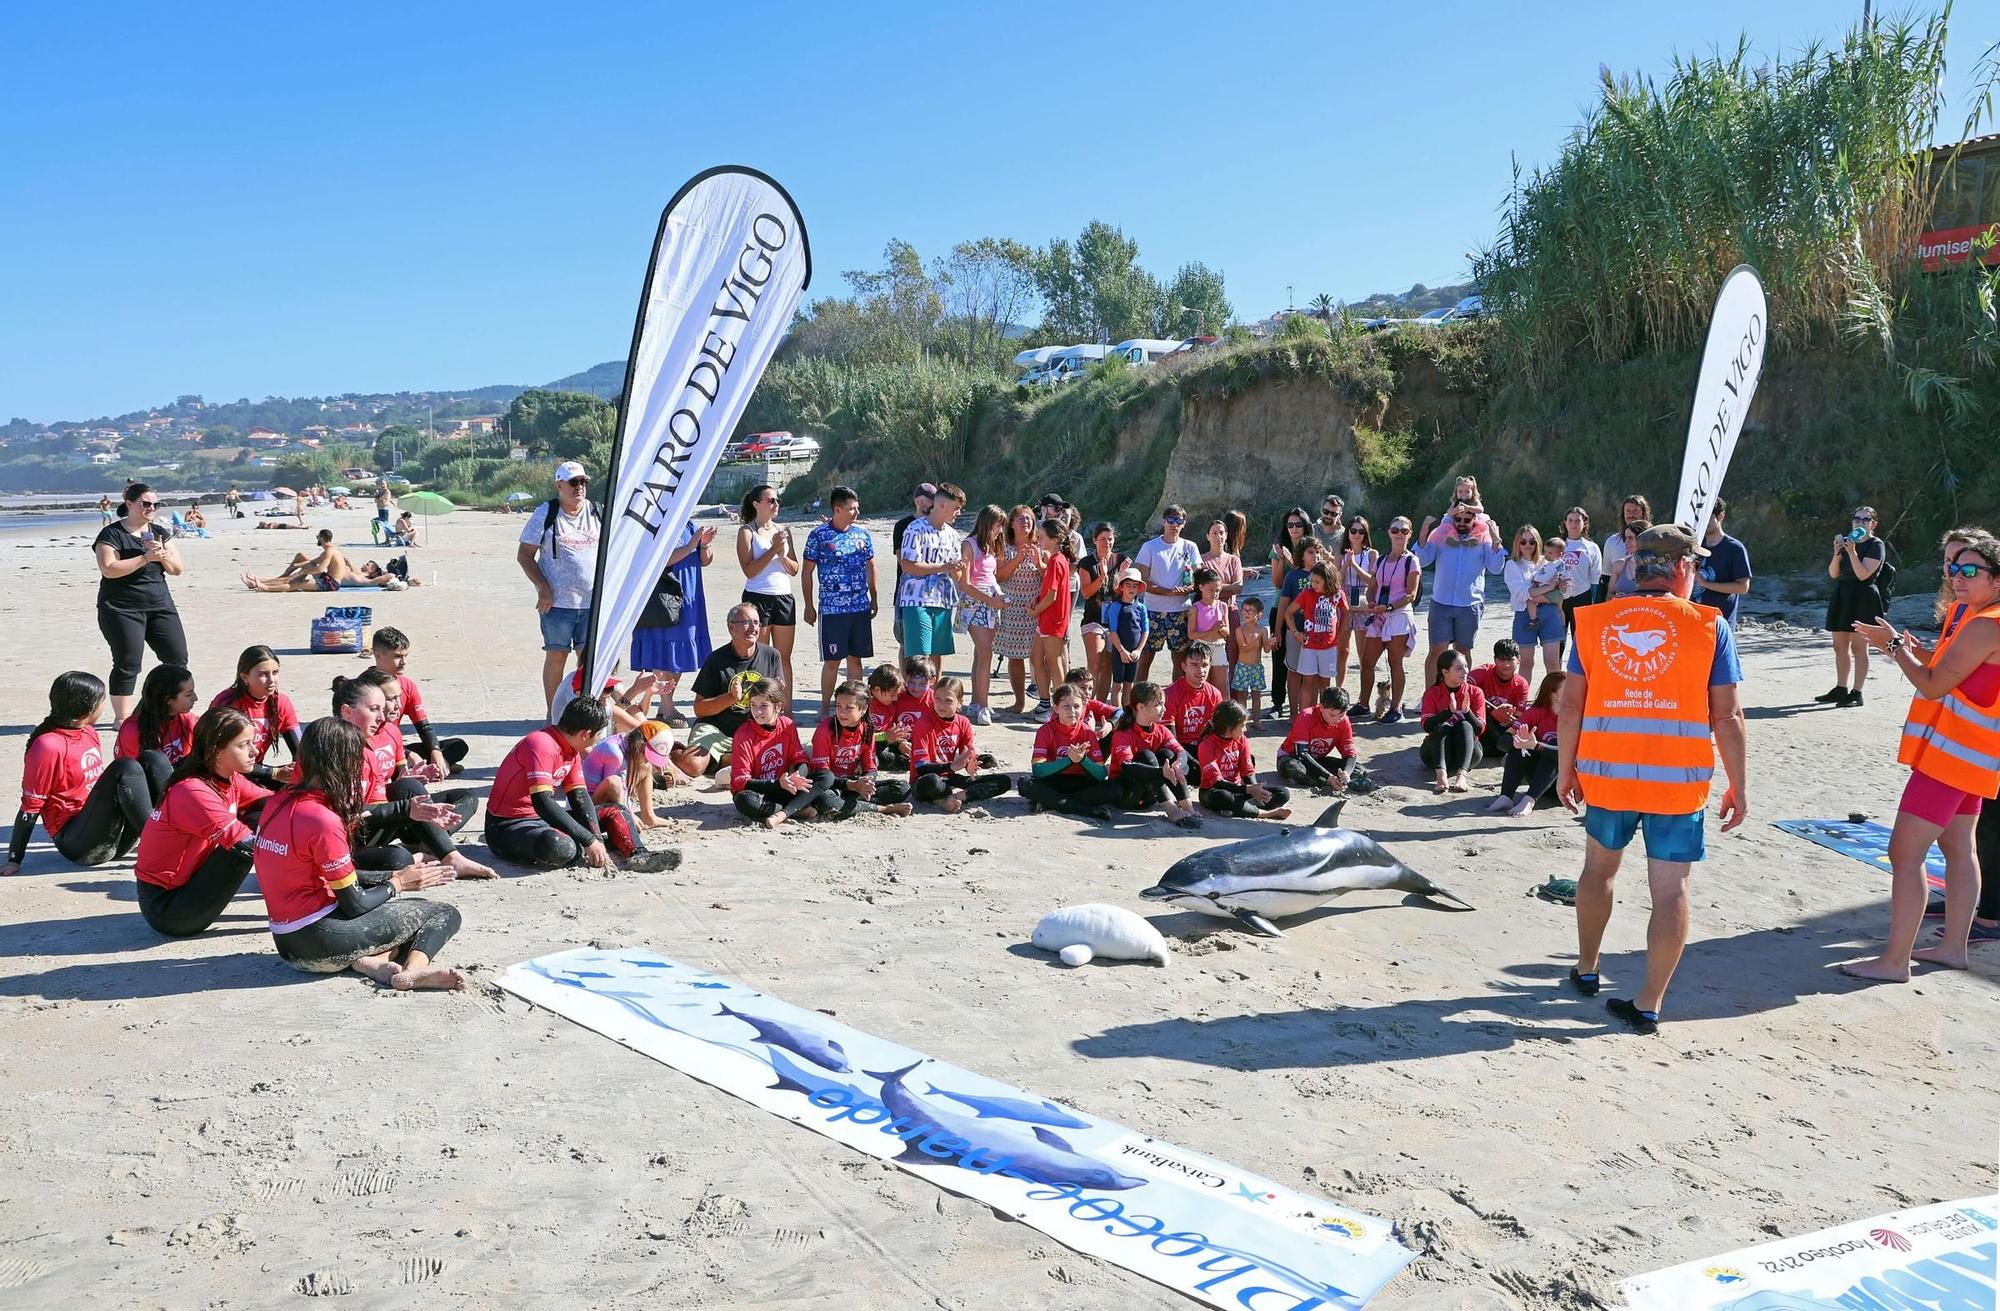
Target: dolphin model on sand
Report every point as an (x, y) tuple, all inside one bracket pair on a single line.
[(1288, 873), (827, 1053)]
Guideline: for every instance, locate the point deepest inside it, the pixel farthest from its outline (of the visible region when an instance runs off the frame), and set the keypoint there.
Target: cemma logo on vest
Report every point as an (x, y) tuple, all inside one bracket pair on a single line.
[(1641, 647)]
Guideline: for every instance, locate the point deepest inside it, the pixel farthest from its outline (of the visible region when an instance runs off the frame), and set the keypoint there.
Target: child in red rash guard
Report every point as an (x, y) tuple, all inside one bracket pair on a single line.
[(440, 757), (196, 849), (1191, 698), (769, 776), (1319, 751), (944, 765), (1229, 783), (843, 758), (1067, 771), (323, 919), (1148, 761), (271, 713), (893, 710), (93, 809), (540, 813), (1051, 608), (160, 731)]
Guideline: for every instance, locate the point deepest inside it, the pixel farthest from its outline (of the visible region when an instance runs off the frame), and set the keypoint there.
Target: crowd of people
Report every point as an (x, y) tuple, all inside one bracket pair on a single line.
[(1635, 699)]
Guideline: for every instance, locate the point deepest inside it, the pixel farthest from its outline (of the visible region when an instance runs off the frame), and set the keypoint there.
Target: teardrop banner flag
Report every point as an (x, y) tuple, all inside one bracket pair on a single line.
[(1731, 359), (729, 264)]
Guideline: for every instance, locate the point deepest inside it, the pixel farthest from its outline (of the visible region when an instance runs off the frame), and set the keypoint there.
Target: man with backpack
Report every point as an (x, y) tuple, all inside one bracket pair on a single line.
[(558, 553)]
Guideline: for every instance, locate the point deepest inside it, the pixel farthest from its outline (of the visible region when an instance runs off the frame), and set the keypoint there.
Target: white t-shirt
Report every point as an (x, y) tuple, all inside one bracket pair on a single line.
[(1586, 565), (1169, 565), (1612, 556), (567, 557)]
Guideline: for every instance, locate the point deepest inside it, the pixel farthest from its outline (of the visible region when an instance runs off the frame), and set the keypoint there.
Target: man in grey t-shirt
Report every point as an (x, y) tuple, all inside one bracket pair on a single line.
[(558, 553)]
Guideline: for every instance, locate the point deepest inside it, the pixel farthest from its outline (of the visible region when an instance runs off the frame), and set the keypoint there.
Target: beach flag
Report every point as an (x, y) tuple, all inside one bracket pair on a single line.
[(729, 264), (1731, 359)]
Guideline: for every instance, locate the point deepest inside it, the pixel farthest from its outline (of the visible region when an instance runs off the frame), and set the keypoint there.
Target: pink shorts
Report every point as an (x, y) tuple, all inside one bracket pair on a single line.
[(1934, 802)]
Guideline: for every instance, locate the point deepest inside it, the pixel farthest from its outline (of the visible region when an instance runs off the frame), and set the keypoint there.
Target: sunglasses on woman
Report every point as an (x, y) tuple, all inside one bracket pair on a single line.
[(1968, 569), (1400, 532)]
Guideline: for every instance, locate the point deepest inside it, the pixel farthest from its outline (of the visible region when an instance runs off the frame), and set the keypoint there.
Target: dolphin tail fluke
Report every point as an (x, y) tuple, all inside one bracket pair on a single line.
[(1258, 925), (1423, 887), (1331, 817), (892, 1076)]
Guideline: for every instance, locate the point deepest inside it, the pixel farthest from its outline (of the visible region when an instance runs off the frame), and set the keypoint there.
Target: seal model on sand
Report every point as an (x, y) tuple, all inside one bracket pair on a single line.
[(1289, 873)]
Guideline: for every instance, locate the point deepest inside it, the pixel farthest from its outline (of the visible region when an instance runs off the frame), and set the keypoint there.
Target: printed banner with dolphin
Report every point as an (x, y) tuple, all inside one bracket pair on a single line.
[(729, 264), (1220, 1235), (1731, 359), (1935, 1256)]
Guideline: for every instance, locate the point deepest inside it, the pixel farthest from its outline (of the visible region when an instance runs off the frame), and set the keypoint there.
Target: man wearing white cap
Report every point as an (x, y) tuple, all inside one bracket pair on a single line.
[(558, 553)]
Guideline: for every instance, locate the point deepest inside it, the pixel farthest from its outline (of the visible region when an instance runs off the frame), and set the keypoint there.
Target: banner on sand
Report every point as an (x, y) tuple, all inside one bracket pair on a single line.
[(1863, 840), (729, 264), (1203, 1228), (1939, 1256), (1731, 359)]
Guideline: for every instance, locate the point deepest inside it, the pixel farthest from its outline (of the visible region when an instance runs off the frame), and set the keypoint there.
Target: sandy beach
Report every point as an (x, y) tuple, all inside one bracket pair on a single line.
[(195, 1124)]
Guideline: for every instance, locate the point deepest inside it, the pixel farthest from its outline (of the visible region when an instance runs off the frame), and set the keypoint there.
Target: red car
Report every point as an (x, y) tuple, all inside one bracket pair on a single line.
[(756, 444)]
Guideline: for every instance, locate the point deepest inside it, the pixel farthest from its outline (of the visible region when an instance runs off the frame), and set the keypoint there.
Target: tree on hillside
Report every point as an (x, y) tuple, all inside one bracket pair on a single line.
[(536, 417), (1065, 300), (1322, 307), (1095, 290), (218, 434), (402, 441), (985, 285), (1195, 304), (902, 294)]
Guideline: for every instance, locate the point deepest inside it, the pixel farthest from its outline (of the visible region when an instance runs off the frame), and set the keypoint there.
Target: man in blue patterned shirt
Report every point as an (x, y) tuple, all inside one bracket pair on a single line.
[(841, 554)]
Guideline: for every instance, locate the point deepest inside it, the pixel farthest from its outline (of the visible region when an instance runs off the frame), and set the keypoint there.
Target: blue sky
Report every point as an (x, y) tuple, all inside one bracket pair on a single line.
[(273, 199)]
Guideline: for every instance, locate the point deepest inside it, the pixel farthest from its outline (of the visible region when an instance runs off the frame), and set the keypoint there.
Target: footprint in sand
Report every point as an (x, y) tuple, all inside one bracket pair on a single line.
[(324, 1283), (418, 1269)]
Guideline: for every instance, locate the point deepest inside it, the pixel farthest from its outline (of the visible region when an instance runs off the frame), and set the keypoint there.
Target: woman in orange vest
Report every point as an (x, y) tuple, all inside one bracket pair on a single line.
[(1951, 742)]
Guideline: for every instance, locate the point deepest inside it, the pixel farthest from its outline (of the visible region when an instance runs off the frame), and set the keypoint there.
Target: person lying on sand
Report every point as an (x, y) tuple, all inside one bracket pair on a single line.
[(326, 572)]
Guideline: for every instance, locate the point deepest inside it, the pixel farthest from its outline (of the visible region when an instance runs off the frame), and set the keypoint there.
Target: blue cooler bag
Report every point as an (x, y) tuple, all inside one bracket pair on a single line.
[(341, 628)]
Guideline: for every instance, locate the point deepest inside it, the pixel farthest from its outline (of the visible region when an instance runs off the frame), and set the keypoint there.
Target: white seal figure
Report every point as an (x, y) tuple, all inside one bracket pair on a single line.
[(1289, 873), (1108, 931)]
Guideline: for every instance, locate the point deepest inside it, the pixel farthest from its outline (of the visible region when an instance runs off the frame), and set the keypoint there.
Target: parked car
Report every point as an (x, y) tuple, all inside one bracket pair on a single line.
[(754, 447), (793, 448), (357, 475)]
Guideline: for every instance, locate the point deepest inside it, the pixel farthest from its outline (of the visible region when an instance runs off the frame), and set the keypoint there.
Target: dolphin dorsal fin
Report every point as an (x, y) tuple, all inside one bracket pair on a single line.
[(1331, 817), (1054, 1140)]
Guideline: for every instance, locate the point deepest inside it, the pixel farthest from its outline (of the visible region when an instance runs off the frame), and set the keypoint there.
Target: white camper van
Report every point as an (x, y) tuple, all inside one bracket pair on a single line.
[(1034, 365), (1144, 350), (1072, 362)]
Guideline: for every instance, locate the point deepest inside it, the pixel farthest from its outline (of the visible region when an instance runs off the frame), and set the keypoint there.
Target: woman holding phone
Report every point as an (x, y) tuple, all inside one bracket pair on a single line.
[(134, 608), (1857, 599)]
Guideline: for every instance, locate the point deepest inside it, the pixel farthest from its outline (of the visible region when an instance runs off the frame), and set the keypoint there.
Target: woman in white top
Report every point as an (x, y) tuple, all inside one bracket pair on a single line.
[(1225, 557), (982, 550), (1358, 558), (1535, 588), (1584, 561), (769, 561)]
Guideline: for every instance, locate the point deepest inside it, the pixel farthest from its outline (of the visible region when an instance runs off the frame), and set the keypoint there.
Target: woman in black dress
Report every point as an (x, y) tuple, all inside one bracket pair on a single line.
[(1857, 597), (134, 608)]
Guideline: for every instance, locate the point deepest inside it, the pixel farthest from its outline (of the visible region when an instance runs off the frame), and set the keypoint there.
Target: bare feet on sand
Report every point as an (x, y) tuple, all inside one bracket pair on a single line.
[(382, 969), (1876, 970), (899, 809), (952, 804), (442, 978), (468, 868), (1951, 960)]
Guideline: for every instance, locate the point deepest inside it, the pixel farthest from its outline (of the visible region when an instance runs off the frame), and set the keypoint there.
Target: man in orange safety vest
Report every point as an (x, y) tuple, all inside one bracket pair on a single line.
[(1651, 695)]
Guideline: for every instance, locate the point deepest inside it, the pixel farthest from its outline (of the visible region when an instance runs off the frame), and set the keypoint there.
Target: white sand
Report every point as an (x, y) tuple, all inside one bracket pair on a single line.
[(194, 1124)]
